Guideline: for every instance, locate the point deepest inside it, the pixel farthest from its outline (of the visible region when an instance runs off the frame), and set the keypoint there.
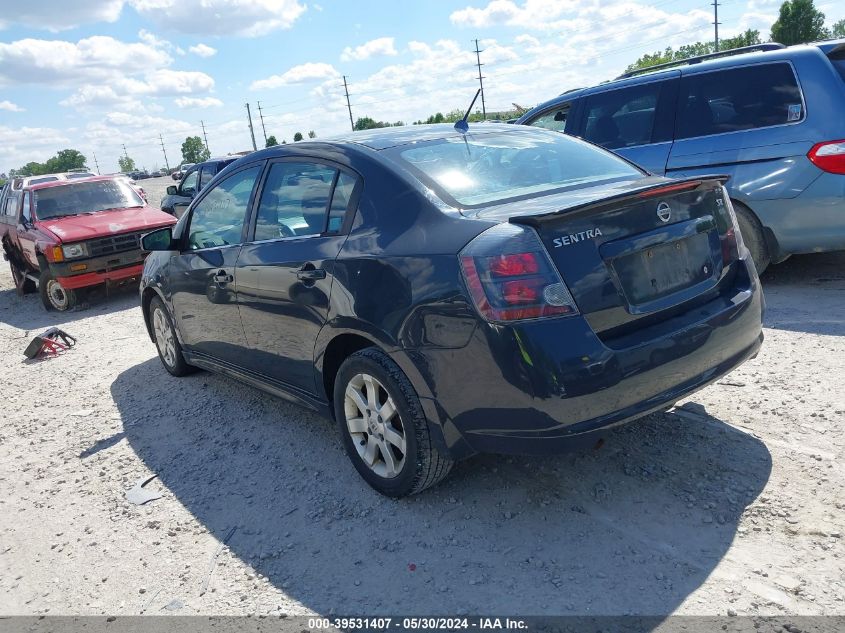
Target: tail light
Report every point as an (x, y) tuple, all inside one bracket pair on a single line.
[(732, 244), (829, 156), (510, 276)]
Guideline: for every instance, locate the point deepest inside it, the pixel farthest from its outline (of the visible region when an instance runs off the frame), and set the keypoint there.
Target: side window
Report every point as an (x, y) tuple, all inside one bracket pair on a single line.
[(12, 206), (218, 218), (340, 201), (206, 174), (294, 201), (621, 118), (188, 187), (27, 207), (553, 119), (738, 99)]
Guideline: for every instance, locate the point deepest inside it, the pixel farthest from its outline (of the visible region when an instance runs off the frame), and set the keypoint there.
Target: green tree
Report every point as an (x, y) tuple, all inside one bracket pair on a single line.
[(799, 22), (297, 137), (193, 150), (312, 134), (271, 141), (749, 38), (838, 29), (126, 163), (65, 160), (368, 123)]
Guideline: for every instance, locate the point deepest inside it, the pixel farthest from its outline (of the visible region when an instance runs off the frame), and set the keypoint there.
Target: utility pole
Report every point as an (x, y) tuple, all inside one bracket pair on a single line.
[(348, 105), (125, 155), (251, 131), (96, 163), (263, 129), (716, 22), (166, 164), (202, 123), (481, 82)]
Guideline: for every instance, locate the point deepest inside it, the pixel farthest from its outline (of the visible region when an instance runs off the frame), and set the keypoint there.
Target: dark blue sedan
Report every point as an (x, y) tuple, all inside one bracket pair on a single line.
[(440, 294)]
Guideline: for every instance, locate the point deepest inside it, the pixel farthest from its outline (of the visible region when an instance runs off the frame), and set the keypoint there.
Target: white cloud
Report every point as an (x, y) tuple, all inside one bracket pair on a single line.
[(203, 50), (10, 107), (248, 18), (61, 15), (197, 102), (298, 74), (382, 46), (20, 145), (157, 42)]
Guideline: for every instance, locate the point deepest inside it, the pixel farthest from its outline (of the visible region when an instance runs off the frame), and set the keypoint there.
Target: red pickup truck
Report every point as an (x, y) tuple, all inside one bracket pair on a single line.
[(63, 235)]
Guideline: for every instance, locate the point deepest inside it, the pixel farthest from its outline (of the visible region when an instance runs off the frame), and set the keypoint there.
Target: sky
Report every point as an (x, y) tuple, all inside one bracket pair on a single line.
[(95, 75)]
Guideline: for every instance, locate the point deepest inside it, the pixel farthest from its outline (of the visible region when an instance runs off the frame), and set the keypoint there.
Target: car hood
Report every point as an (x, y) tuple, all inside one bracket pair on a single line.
[(75, 228)]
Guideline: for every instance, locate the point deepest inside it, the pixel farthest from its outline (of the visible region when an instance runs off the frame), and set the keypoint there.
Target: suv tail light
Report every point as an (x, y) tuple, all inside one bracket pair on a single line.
[(511, 278), (829, 156)]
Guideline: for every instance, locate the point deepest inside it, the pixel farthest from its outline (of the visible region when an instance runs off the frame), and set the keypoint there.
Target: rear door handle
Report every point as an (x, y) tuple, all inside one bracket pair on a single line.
[(222, 277), (309, 273)]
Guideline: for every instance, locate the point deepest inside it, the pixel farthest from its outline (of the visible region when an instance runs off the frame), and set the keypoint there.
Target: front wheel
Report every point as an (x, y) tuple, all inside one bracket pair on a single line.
[(167, 344), (384, 430), (53, 296)]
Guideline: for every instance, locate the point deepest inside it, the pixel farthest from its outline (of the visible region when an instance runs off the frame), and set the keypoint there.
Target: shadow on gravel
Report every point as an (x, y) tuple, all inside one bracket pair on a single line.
[(806, 293), (632, 528), (27, 312)]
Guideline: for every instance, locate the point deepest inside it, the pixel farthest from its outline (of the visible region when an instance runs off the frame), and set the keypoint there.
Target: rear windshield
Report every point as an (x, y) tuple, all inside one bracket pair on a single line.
[(84, 197), (481, 169)]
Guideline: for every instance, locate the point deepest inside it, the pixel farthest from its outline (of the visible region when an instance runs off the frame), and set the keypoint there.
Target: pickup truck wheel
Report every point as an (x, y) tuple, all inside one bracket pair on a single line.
[(23, 284), (167, 344), (383, 427), (53, 296)]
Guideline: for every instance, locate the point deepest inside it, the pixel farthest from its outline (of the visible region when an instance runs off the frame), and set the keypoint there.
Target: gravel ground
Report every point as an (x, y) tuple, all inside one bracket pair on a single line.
[(732, 503)]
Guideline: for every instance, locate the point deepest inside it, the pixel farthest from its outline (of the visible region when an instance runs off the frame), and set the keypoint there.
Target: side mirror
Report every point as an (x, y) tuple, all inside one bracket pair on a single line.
[(158, 240), (171, 190)]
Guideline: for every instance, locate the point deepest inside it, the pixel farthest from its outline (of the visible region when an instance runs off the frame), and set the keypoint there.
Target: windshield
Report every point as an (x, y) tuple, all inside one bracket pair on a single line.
[(84, 197), (485, 168)]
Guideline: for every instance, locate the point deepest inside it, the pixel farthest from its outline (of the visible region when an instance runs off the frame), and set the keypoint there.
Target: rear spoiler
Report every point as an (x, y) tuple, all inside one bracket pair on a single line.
[(635, 193)]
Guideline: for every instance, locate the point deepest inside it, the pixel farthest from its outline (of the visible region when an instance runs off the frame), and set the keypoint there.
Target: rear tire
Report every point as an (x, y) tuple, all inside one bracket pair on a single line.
[(167, 343), (752, 235), (383, 427), (23, 284), (53, 296)]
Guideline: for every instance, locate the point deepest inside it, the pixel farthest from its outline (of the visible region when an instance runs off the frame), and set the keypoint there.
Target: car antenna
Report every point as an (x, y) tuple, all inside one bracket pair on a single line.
[(462, 126)]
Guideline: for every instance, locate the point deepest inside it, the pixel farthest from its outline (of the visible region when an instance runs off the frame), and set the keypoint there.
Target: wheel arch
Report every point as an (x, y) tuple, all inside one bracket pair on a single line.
[(772, 245), (147, 296)]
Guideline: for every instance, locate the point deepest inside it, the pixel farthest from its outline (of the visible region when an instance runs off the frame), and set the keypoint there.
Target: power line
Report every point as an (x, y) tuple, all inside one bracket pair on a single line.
[(251, 131), (348, 105), (480, 81), (263, 129)]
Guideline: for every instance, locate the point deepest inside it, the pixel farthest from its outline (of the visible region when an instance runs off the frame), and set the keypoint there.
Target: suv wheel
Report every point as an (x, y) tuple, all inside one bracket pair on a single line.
[(167, 344), (53, 296), (752, 235), (383, 427)]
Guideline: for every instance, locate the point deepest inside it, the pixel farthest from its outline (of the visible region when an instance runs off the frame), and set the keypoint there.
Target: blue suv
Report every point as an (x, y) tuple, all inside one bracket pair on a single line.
[(770, 117)]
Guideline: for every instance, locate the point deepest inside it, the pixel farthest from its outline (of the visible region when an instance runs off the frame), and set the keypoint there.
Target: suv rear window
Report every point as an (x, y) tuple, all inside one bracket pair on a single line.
[(737, 99), (487, 168)]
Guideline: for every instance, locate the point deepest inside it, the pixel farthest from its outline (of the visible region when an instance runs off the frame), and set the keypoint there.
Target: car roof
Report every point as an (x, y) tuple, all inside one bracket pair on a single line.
[(695, 67), (73, 181)]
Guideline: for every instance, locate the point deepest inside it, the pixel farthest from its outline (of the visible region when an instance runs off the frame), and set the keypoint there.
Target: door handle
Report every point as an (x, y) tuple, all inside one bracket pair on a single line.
[(222, 277), (309, 273)]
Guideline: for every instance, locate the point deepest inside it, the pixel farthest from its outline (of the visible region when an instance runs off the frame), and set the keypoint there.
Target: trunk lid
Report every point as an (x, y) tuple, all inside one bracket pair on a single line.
[(638, 251)]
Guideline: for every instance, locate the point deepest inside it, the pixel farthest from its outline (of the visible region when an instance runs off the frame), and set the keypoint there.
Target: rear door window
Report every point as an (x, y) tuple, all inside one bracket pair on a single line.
[(621, 118), (341, 199), (554, 119), (206, 174), (738, 99), (294, 201)]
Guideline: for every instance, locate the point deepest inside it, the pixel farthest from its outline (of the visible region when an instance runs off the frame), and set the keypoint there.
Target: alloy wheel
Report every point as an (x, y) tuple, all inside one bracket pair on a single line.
[(164, 337), (375, 426)]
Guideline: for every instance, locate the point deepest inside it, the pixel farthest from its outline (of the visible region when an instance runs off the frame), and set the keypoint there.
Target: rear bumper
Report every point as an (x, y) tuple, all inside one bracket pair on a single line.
[(551, 386)]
